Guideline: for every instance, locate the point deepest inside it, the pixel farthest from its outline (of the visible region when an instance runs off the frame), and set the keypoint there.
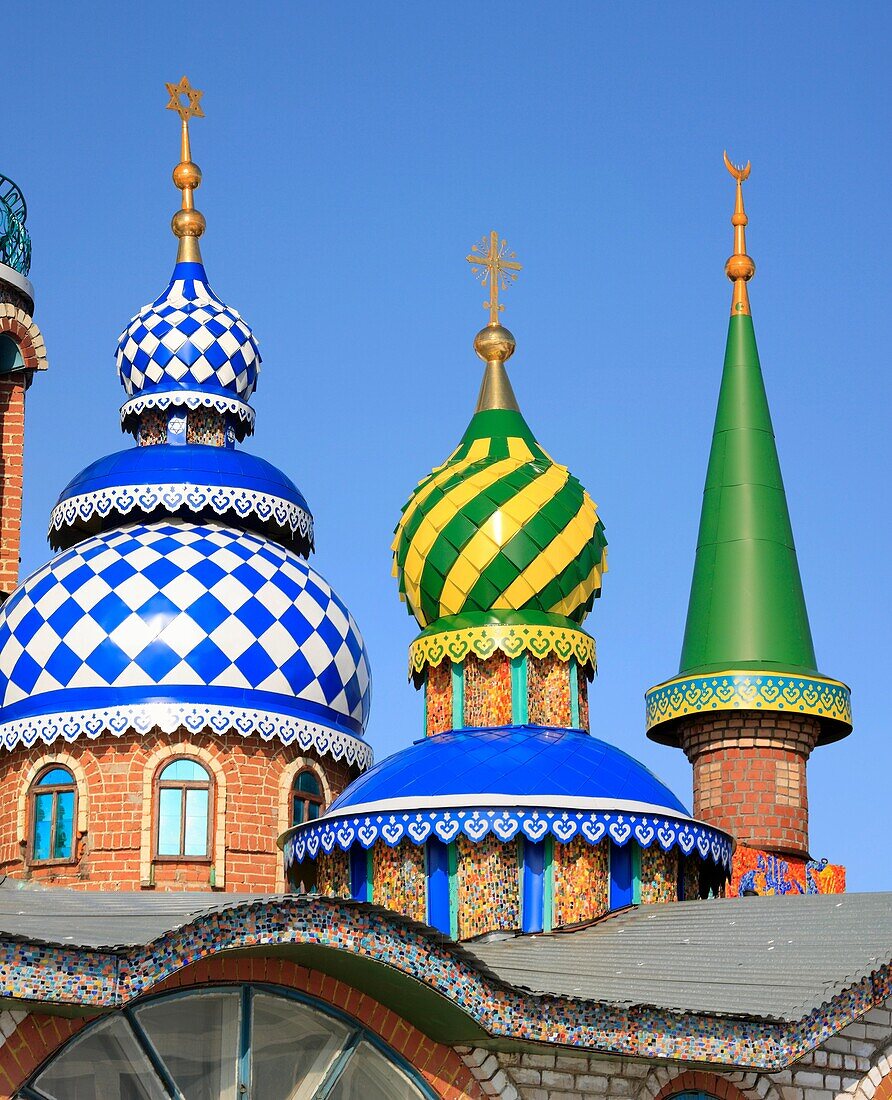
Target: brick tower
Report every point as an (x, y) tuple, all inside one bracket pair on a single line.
[(748, 705), (22, 352)]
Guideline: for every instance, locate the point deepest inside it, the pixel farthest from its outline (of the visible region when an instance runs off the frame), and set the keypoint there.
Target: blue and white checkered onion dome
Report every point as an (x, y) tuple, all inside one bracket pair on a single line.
[(172, 624), (188, 348)]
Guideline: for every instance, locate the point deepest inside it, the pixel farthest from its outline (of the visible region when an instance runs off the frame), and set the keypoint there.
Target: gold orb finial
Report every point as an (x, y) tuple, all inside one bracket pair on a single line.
[(187, 224), (739, 267), (491, 262)]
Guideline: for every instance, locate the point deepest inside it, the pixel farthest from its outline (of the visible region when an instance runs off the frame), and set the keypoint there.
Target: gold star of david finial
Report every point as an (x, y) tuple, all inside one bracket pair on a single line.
[(492, 262), (189, 109)]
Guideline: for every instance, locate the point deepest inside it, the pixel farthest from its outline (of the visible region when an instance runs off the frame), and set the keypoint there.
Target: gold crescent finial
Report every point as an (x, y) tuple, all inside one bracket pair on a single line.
[(740, 267), (738, 172), (187, 224)]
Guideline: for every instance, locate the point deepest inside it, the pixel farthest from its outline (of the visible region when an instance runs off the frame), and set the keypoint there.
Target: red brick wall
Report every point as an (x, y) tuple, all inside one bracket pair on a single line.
[(37, 1037), (749, 775), (12, 430), (114, 770)]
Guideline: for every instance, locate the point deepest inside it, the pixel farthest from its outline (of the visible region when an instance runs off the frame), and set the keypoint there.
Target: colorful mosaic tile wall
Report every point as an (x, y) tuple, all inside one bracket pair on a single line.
[(398, 879), (487, 690), (659, 875), (104, 979), (691, 875), (488, 886), (205, 426), (549, 691), (333, 874), (770, 874), (581, 878), (152, 428), (439, 698), (582, 680)]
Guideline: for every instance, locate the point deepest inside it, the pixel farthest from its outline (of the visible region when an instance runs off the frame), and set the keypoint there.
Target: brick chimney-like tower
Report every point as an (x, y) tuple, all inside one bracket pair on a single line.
[(22, 352), (749, 705)]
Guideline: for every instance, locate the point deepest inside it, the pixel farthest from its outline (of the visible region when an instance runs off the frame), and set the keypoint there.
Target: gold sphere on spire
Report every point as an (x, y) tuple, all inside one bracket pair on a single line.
[(187, 224), (186, 174), (494, 343), (740, 267)]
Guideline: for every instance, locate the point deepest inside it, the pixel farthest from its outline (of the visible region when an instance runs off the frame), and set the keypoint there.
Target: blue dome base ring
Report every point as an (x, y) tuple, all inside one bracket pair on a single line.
[(475, 823), (194, 718)]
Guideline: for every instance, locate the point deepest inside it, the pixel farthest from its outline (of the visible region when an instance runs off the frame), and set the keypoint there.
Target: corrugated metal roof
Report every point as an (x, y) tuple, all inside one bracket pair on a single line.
[(774, 957)]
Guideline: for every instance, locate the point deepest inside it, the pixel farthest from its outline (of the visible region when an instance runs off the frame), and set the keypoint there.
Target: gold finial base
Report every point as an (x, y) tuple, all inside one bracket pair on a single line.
[(495, 345)]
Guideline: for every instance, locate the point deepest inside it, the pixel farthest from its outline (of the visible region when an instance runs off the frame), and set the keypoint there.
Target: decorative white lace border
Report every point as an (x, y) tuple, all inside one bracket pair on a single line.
[(308, 840), (124, 498), (192, 400), (194, 718)]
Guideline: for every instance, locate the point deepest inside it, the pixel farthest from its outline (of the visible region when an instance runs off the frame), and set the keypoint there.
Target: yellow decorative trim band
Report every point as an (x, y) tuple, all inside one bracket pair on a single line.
[(484, 641), (732, 690)]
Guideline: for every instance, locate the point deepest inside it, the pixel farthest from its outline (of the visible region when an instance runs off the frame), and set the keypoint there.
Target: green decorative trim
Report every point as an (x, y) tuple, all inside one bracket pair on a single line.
[(636, 874), (452, 863), (566, 641), (458, 697), (548, 892), (520, 709), (738, 690)]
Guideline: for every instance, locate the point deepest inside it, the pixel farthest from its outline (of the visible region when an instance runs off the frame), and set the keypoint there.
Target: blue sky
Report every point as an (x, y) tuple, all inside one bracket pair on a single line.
[(352, 153)]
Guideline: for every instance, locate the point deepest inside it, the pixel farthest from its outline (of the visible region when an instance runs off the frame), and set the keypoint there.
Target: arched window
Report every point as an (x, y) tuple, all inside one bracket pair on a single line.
[(53, 814), (183, 811), (306, 797)]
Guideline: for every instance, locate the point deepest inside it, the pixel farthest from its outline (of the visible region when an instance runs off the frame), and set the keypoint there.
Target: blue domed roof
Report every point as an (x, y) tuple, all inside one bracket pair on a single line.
[(189, 479), (507, 782), (173, 624), (188, 347), (516, 765)]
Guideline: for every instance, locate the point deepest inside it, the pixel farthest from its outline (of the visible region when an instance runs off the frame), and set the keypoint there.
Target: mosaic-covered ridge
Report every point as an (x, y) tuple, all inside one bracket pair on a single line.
[(104, 979)]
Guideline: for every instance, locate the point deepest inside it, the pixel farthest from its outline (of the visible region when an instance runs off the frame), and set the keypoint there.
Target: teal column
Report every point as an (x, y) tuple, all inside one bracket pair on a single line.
[(574, 693), (458, 696), (548, 905), (636, 873), (520, 712), (453, 890)]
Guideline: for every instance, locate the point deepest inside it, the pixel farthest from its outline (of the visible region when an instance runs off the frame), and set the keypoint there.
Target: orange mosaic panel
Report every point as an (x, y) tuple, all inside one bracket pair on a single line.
[(439, 698), (488, 886), (548, 683), (152, 428), (659, 875), (581, 878), (398, 880), (582, 680), (205, 426), (333, 874), (488, 690), (767, 873)]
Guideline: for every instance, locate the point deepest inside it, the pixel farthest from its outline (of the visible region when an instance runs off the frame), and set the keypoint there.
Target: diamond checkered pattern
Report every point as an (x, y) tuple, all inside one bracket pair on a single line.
[(188, 339), (180, 604)]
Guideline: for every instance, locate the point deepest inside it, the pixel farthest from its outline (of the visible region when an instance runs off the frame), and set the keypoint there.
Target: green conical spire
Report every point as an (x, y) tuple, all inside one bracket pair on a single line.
[(747, 609)]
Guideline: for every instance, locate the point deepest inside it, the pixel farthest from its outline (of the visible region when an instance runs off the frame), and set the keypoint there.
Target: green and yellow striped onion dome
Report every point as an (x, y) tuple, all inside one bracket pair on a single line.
[(500, 526)]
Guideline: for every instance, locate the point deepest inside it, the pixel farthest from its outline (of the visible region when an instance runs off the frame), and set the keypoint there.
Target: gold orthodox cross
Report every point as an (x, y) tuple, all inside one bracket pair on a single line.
[(493, 263)]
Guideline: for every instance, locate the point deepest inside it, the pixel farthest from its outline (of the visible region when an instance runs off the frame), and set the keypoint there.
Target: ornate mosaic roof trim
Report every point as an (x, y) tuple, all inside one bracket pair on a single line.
[(738, 690), (144, 718), (540, 639), (323, 835), (123, 499), (192, 401), (499, 525), (104, 979)]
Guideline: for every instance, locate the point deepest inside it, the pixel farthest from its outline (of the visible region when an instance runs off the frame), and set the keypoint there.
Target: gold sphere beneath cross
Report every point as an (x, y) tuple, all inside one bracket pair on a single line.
[(494, 344), (187, 223)]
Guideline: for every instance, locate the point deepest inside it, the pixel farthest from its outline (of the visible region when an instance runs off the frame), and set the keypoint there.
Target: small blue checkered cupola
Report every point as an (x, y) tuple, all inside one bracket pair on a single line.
[(188, 352)]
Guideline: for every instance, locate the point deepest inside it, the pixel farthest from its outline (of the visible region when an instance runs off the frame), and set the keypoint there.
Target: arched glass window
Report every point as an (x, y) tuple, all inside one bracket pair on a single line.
[(183, 811), (53, 814), (222, 1043), (306, 797)]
